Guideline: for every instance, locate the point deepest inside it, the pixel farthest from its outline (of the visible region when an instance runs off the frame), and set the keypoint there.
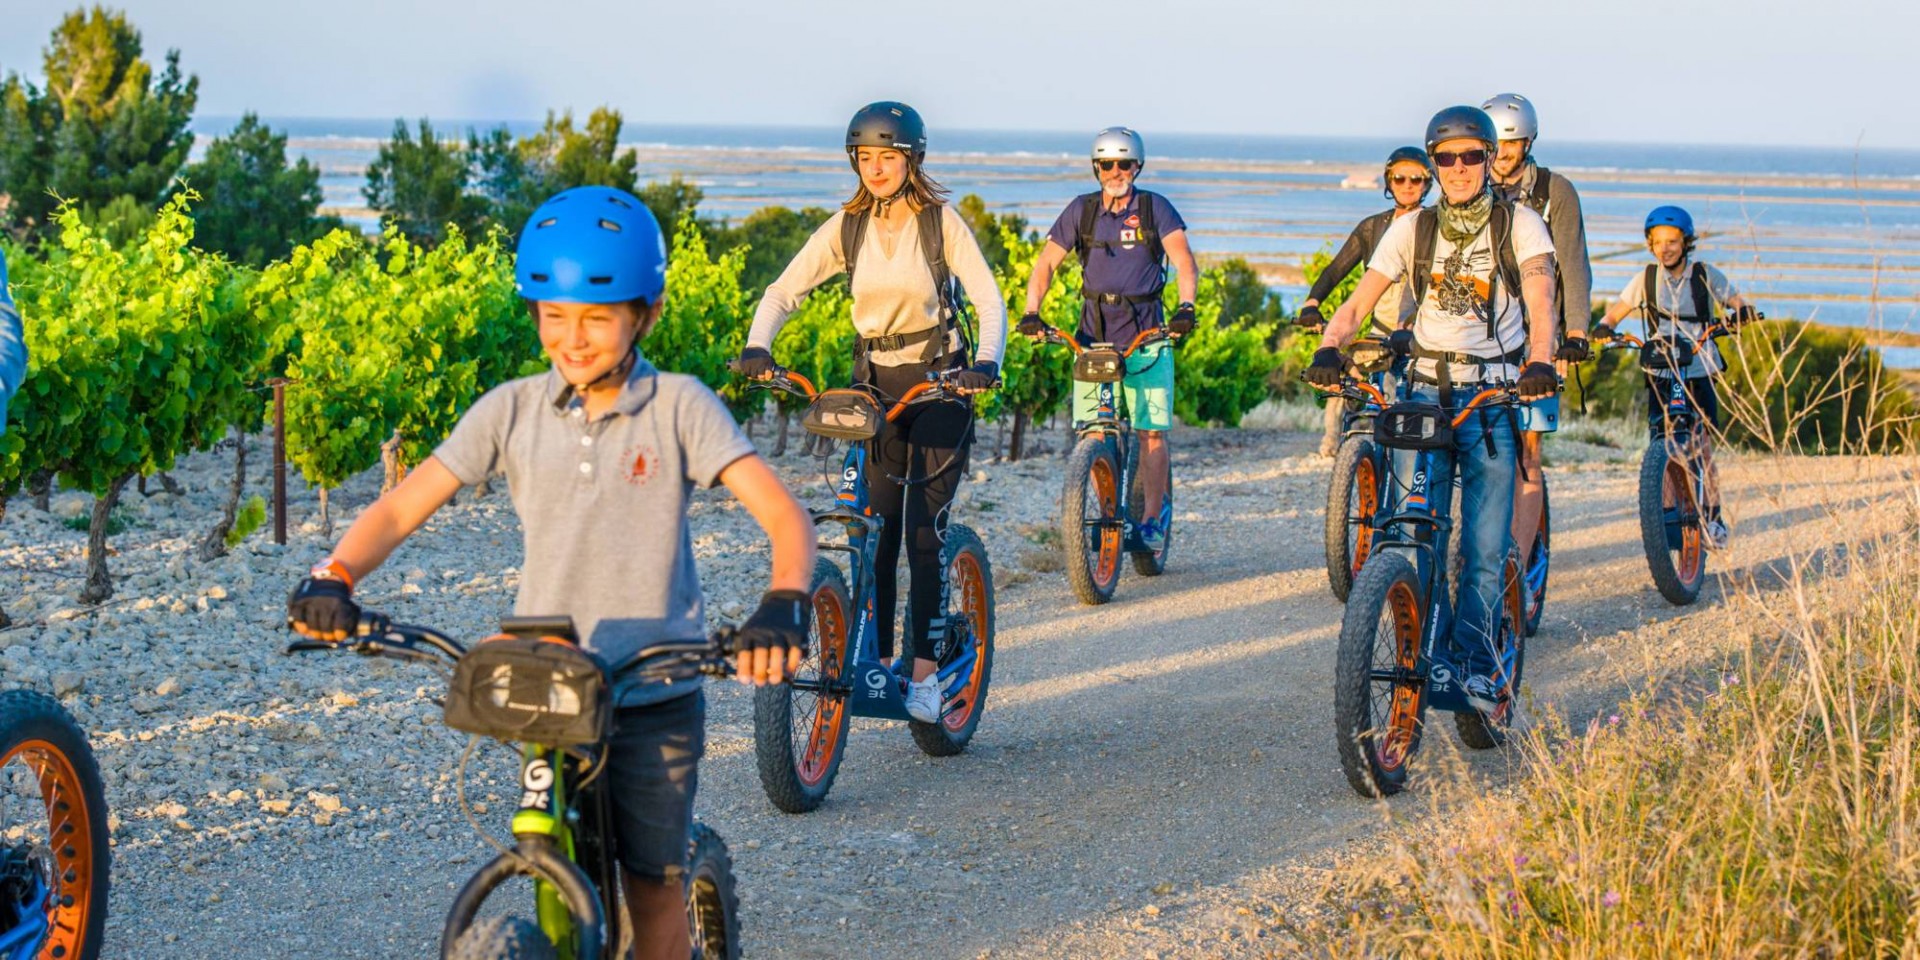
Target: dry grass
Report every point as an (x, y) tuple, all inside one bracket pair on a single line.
[(1777, 815)]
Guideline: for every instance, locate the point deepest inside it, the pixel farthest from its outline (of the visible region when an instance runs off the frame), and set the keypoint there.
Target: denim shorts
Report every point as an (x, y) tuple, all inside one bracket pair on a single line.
[(653, 769)]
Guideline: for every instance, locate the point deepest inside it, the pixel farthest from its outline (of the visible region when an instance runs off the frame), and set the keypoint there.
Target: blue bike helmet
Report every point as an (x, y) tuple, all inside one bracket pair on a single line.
[(1669, 216), (591, 245)]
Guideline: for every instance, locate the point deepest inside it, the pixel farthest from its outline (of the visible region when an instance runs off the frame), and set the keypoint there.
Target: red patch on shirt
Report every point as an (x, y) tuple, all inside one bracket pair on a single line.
[(1133, 221), (642, 469)]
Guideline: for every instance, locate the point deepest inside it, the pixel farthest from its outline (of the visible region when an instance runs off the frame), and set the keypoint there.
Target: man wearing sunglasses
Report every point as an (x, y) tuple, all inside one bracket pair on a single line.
[(1471, 261), (1518, 178), (1123, 237), (1409, 178)]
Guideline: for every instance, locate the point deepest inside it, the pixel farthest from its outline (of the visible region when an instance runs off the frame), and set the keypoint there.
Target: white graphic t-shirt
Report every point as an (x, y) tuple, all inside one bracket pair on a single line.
[(1453, 316)]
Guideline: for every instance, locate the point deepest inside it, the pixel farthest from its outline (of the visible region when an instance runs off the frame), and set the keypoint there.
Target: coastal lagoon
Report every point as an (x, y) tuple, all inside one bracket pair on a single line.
[(1830, 234)]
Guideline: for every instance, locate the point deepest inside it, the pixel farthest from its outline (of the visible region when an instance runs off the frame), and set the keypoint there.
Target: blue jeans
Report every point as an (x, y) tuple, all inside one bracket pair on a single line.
[(1486, 518)]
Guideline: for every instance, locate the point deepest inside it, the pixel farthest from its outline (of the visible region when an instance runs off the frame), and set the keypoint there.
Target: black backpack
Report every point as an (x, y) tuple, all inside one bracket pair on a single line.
[(1702, 296), (1426, 234), (954, 308), (1090, 206)]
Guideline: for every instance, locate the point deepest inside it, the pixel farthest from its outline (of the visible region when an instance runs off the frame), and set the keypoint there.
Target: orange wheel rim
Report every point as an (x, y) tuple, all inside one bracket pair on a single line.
[(1677, 492), (971, 586), (1367, 499), (70, 835), (823, 733), (1106, 492), (1403, 710)]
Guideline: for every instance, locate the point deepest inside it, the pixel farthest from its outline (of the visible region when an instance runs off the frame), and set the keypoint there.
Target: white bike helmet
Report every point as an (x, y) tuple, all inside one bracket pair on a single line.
[(1119, 143), (1513, 116)]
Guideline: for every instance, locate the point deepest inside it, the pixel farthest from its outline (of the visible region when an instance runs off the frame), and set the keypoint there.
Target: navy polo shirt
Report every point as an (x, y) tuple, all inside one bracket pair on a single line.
[(1120, 263)]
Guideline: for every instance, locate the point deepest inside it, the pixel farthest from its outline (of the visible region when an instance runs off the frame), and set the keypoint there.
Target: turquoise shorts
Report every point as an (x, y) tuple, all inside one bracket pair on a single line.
[(1148, 386)]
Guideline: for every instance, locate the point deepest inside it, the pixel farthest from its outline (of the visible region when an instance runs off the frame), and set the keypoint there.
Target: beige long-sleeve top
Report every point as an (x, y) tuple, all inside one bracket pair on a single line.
[(893, 291)]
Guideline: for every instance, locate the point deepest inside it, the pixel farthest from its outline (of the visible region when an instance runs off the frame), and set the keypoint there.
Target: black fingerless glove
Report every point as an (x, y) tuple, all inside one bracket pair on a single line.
[(1031, 325), (1326, 367), (1747, 314), (1603, 331), (1401, 343), (1182, 322), (781, 621), (1310, 319), (324, 605), (1574, 350), (980, 376), (754, 363), (1538, 380)]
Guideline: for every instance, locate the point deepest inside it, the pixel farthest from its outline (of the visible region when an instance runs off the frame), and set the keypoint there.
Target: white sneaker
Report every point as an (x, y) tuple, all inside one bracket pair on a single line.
[(1713, 535), (924, 700)]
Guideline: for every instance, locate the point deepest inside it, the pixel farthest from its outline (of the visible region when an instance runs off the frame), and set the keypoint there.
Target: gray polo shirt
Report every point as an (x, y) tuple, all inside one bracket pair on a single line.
[(603, 502)]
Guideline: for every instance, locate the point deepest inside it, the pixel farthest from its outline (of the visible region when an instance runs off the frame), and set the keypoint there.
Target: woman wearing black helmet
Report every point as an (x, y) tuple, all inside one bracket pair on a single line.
[(906, 243), (1407, 179)]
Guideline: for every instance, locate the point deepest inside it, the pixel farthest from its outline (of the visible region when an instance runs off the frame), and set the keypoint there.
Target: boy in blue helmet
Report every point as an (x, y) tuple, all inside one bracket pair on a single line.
[(601, 453), (1675, 297), (13, 347)]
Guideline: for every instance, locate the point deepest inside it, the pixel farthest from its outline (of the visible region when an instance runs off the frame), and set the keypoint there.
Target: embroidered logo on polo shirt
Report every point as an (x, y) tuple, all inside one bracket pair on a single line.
[(642, 466)]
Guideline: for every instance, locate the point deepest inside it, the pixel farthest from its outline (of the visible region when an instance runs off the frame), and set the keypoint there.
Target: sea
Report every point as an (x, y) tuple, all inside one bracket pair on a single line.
[(1828, 233)]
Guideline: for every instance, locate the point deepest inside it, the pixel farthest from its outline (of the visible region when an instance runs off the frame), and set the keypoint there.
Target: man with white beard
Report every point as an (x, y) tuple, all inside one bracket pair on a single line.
[(1124, 237)]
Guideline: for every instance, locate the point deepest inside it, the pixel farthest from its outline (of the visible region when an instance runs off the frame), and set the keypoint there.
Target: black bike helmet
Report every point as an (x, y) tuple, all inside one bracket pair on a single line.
[(889, 124), (1408, 155), (1461, 123)]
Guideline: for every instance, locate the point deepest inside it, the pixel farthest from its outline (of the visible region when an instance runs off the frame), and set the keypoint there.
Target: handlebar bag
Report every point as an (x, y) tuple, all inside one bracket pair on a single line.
[(1666, 356), (1413, 425), (843, 414), (1099, 365), (531, 691)]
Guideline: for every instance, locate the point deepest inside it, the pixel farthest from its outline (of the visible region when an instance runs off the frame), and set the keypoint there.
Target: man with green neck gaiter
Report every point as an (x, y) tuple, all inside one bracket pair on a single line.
[(1471, 261)]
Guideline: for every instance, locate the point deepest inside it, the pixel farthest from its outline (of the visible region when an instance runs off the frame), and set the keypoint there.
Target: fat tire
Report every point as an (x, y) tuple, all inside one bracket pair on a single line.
[(503, 938), (28, 716), (1536, 604), (713, 900), (1354, 723), (1090, 452), (1345, 554), (943, 739), (1653, 530), (1476, 729), (1149, 563), (774, 737)]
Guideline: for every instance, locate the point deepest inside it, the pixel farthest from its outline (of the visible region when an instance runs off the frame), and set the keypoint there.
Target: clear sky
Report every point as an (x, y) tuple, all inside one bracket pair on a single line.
[(1828, 74)]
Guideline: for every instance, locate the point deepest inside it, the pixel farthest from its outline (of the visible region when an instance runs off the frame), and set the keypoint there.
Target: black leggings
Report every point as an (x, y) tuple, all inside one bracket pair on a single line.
[(928, 444)]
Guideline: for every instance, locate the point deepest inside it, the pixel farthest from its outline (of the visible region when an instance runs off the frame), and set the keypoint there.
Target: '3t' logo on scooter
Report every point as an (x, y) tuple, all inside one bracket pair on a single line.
[(537, 779)]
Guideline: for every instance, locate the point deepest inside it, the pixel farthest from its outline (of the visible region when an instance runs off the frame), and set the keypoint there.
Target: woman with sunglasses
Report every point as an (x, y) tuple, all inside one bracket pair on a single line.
[(1409, 178), (1124, 237), (905, 328)]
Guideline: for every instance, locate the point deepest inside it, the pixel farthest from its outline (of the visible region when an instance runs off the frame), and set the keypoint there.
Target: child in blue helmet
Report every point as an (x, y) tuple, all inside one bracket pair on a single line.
[(1675, 296), (13, 347), (601, 453)]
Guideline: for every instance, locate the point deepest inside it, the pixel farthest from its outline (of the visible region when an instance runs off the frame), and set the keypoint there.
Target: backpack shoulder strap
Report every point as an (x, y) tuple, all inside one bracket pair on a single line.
[(1541, 194), (933, 243), (1500, 225), (1426, 231), (1649, 294), (1089, 212), (853, 232), (1148, 230), (1702, 296)]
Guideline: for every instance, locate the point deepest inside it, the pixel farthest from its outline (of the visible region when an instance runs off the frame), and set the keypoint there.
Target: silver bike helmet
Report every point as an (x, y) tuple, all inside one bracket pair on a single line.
[(1119, 143), (1513, 116)]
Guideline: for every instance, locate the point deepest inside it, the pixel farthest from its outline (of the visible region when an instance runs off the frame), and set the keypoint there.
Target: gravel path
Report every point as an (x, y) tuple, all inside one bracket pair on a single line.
[(1155, 777)]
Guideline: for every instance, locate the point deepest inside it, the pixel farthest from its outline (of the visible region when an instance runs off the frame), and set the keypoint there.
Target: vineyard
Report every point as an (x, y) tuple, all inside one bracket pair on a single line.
[(146, 351)]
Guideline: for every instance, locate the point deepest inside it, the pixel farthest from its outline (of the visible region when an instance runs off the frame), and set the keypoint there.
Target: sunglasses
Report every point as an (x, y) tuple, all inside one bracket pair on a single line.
[(1471, 158), (1122, 164), (1399, 178)]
